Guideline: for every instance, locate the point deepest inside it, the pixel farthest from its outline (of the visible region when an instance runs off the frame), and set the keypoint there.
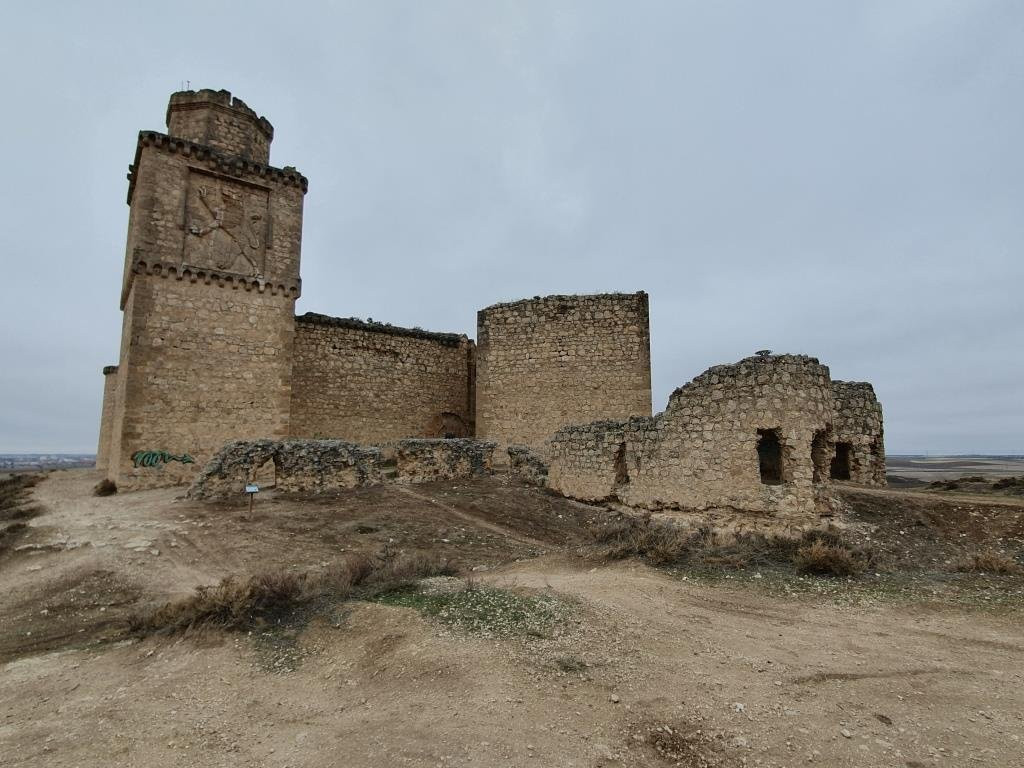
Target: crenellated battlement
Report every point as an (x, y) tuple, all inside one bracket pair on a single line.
[(214, 277), (218, 162), (220, 120)]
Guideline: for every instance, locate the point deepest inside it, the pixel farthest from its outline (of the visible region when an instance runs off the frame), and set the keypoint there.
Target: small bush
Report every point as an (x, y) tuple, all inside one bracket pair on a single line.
[(658, 542), (989, 562), (823, 559), (105, 487), (267, 598)]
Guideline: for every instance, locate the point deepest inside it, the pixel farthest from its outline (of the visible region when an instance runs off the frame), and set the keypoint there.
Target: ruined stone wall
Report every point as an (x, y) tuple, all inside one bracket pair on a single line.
[(701, 453), (370, 382), (211, 278), (329, 466), (858, 423), (107, 416), (547, 362), (588, 460)]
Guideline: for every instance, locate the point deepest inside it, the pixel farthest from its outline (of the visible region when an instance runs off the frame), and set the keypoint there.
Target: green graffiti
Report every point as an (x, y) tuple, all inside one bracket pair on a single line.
[(156, 458)]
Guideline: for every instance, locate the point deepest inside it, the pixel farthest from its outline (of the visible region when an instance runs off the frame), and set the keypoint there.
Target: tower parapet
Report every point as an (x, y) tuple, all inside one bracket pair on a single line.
[(219, 120)]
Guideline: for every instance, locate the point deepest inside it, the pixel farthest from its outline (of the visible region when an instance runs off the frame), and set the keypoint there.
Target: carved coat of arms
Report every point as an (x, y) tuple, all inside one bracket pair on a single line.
[(226, 227)]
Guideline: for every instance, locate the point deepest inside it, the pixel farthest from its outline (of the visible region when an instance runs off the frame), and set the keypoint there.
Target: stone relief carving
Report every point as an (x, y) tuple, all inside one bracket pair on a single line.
[(226, 226)]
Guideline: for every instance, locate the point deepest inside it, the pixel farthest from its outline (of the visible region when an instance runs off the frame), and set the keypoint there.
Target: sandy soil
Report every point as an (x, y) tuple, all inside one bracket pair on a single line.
[(714, 674)]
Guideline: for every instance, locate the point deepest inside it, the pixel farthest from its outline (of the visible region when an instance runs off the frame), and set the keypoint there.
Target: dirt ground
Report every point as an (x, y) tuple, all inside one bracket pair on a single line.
[(644, 668)]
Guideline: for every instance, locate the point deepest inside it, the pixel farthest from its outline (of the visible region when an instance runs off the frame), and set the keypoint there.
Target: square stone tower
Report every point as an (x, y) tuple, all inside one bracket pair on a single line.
[(210, 282)]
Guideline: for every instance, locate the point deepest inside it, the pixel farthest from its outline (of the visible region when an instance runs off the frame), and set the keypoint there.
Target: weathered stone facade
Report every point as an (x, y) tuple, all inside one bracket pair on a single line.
[(858, 434), (107, 416), (549, 361), (367, 382), (211, 353), (745, 442), (329, 466), (211, 277)]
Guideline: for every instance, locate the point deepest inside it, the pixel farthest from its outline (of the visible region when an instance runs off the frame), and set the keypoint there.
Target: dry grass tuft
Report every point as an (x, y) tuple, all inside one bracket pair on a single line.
[(989, 562), (822, 559), (268, 598), (14, 493), (663, 543)]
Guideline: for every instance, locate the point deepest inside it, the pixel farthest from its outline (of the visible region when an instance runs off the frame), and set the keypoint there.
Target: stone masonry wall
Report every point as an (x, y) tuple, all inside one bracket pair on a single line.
[(218, 120), (207, 364), (329, 466), (547, 362), (107, 416), (370, 382), (858, 422), (701, 453), (211, 279)]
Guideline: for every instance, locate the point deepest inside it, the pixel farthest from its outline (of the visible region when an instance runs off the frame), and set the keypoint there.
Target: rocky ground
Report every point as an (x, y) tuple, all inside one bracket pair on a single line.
[(553, 657)]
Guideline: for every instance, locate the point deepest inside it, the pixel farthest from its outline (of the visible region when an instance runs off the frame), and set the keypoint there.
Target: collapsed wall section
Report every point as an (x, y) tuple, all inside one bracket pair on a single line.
[(546, 362), (369, 382), (739, 440), (859, 435), (329, 466)]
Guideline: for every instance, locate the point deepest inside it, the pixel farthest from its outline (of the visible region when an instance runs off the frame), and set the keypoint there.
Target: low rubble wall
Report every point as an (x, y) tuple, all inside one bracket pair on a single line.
[(327, 466)]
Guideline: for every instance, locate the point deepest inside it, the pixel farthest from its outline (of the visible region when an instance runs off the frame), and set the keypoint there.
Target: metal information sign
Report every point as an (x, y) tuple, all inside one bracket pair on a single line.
[(252, 489)]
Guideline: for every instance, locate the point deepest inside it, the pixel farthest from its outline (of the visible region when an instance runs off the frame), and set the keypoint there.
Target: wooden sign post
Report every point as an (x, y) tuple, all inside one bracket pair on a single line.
[(252, 489)]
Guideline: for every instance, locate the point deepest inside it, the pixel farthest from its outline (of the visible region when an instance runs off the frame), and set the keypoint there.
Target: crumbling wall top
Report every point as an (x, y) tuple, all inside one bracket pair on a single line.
[(448, 339), (561, 299)]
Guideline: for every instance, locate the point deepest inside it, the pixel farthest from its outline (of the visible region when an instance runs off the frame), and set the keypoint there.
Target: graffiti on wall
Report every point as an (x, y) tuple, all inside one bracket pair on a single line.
[(156, 458)]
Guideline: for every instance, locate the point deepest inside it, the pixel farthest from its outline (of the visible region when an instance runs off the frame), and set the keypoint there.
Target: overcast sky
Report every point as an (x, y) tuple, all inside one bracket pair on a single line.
[(840, 179)]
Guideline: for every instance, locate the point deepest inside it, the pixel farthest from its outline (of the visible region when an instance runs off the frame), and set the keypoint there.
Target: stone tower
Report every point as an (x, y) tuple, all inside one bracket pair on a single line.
[(210, 282)]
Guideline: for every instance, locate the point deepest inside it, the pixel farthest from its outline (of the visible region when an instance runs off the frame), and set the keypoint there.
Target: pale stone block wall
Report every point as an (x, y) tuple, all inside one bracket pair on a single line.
[(208, 363), (858, 422), (107, 416), (370, 382), (547, 362)]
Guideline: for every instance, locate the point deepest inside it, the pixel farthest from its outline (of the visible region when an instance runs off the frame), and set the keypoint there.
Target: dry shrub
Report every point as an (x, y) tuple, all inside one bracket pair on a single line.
[(105, 487), (824, 559), (660, 543), (273, 597), (989, 562)]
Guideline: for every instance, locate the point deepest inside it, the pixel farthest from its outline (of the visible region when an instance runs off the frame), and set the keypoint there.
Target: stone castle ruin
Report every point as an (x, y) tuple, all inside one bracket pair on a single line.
[(212, 353)]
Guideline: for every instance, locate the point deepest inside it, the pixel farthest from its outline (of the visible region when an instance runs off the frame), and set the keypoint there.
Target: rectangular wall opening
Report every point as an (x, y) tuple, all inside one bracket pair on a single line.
[(621, 470), (769, 456), (841, 461)]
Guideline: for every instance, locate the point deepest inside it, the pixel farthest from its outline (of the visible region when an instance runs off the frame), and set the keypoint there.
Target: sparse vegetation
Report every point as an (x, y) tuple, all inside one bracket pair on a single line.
[(989, 561), (274, 597), (15, 508), (105, 487), (823, 559), (484, 610), (14, 493), (663, 543)]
